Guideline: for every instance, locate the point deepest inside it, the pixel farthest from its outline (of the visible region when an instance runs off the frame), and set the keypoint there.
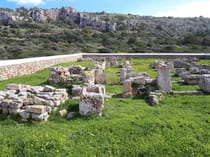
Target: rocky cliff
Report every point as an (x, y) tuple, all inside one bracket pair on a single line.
[(64, 13)]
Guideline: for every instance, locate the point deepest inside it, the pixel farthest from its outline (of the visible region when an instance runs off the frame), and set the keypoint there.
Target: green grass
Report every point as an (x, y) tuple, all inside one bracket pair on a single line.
[(129, 127), (204, 61)]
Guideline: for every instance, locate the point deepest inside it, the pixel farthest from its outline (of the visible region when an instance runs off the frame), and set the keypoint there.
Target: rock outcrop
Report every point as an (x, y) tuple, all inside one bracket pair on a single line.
[(86, 20), (6, 18)]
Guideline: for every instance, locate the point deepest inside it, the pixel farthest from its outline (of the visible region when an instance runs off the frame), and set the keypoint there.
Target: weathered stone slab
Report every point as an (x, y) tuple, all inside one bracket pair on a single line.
[(40, 117), (92, 100), (89, 77), (76, 91), (127, 88), (126, 74), (14, 110), (164, 78), (48, 88), (16, 104), (24, 114), (204, 82), (38, 109), (100, 77), (5, 110), (63, 112), (192, 79)]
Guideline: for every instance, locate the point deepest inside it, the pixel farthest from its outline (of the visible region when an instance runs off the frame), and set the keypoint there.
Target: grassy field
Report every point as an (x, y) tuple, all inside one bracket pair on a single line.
[(129, 127)]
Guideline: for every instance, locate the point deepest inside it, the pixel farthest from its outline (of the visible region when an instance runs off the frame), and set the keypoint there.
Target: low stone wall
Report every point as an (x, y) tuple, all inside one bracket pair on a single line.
[(19, 67), (13, 68), (98, 56)]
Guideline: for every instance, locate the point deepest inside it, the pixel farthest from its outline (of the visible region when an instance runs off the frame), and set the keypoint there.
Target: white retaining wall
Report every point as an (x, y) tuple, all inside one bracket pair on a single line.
[(18, 67)]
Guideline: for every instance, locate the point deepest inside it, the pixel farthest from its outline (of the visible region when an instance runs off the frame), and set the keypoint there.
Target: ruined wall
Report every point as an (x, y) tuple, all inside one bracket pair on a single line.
[(12, 68), (101, 56)]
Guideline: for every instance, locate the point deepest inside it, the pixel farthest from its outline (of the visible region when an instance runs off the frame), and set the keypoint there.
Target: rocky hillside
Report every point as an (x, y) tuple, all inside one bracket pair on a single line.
[(40, 32)]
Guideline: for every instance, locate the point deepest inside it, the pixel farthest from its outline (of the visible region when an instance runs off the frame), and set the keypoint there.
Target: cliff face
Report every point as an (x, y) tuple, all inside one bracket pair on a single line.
[(64, 13), (7, 19)]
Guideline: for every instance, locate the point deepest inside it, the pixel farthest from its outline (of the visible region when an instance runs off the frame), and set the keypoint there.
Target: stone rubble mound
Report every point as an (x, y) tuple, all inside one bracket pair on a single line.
[(65, 74), (34, 102)]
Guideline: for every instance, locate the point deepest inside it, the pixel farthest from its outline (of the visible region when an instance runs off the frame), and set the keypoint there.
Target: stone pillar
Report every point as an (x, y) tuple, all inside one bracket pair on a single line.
[(127, 88), (170, 64), (100, 77), (122, 75), (126, 74), (164, 78)]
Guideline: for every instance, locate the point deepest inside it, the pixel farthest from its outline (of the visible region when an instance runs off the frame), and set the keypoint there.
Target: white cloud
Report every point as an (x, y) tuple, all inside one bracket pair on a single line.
[(31, 2), (191, 9)]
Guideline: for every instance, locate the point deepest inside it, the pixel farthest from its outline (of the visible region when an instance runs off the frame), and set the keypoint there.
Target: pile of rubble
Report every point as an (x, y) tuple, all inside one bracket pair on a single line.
[(142, 84), (188, 69), (86, 85), (65, 74), (78, 75), (34, 102)]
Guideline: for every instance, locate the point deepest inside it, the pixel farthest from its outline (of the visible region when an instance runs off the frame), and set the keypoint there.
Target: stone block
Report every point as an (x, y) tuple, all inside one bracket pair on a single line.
[(16, 104), (14, 110), (38, 109), (76, 91), (127, 88), (179, 71), (48, 88), (40, 117), (24, 114), (164, 78), (204, 82), (71, 115), (5, 110), (92, 100), (153, 100), (39, 101), (192, 79), (126, 74), (100, 77), (16, 87), (62, 113), (89, 77)]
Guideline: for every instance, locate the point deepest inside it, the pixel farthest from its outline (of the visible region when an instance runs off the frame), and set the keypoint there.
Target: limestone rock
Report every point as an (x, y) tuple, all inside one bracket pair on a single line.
[(192, 79), (100, 77), (38, 109), (76, 91), (127, 88), (153, 100), (163, 78), (92, 100), (204, 83), (63, 112), (89, 77), (40, 117), (71, 115)]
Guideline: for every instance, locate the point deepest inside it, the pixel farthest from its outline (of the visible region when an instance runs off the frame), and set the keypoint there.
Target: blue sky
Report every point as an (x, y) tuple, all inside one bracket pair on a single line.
[(176, 8)]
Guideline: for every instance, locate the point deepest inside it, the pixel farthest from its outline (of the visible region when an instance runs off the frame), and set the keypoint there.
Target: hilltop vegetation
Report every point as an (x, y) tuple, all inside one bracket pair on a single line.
[(30, 33)]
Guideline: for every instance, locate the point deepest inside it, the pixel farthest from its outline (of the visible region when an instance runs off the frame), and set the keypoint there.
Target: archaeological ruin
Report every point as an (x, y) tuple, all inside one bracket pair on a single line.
[(88, 85)]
